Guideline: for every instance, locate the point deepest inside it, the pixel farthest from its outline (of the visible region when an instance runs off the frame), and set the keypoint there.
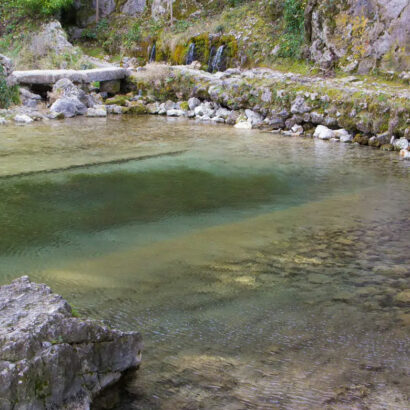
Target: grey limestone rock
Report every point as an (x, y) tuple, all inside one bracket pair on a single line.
[(52, 360)]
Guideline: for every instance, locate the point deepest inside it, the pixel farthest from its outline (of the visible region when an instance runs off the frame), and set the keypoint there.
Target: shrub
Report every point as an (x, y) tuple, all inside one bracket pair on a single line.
[(294, 20), (8, 95), (44, 6), (133, 35)]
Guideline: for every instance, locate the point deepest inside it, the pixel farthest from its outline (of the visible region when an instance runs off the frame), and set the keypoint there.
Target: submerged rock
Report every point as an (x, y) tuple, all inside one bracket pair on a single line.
[(49, 358)]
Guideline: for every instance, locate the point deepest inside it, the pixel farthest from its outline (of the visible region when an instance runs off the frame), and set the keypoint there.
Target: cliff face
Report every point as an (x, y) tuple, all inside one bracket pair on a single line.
[(359, 35)]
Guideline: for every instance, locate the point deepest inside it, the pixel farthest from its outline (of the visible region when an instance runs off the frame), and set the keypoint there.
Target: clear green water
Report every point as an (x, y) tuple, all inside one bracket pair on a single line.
[(263, 271)]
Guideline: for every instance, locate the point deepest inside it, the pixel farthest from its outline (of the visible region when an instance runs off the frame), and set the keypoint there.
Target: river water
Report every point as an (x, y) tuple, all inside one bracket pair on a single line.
[(264, 272)]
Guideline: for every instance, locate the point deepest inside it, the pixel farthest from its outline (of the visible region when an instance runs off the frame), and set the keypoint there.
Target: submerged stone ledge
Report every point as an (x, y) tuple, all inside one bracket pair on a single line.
[(51, 359)]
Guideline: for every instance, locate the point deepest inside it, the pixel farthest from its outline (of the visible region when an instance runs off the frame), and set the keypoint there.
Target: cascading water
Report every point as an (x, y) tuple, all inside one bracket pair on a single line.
[(153, 53), (216, 63), (191, 54), (211, 58)]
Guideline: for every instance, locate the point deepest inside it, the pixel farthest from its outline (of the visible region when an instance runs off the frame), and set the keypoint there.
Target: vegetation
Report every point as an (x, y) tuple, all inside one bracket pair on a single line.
[(294, 30), (44, 7), (8, 95)]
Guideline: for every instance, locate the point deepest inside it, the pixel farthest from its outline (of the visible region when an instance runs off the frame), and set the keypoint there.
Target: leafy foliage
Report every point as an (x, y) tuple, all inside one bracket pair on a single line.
[(46, 7), (133, 35), (8, 95), (294, 20)]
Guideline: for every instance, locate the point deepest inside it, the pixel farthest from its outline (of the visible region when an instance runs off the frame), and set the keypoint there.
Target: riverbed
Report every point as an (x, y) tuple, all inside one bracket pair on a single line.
[(263, 271)]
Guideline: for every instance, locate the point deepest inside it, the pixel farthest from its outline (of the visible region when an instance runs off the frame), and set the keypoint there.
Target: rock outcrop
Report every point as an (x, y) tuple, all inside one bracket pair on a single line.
[(6, 69), (50, 359), (48, 47), (359, 35)]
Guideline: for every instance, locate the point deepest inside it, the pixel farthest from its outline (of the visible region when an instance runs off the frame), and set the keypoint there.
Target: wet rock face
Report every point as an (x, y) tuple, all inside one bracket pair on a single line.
[(50, 359)]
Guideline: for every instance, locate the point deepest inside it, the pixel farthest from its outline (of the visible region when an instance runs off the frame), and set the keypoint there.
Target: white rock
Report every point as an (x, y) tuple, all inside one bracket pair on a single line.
[(254, 118), (162, 110), (346, 138), (204, 110), (97, 111), (3, 121), (405, 154), (175, 113), (193, 103), (153, 108), (246, 125), (113, 109), (323, 133), (401, 143), (297, 129), (218, 119), (343, 135), (23, 119), (222, 113), (199, 110), (170, 105)]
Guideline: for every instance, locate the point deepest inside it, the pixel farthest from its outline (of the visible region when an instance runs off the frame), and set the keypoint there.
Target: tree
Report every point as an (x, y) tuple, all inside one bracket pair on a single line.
[(48, 7), (97, 10), (171, 11)]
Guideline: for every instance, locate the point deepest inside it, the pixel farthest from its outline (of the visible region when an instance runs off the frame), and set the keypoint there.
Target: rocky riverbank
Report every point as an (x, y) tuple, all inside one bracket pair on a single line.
[(50, 358), (348, 109)]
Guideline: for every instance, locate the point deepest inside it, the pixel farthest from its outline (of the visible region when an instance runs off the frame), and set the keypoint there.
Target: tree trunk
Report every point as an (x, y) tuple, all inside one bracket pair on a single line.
[(171, 11), (97, 10)]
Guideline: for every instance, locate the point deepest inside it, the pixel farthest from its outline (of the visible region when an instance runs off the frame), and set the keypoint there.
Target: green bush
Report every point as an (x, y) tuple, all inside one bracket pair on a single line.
[(8, 95), (43, 6), (294, 20), (133, 35)]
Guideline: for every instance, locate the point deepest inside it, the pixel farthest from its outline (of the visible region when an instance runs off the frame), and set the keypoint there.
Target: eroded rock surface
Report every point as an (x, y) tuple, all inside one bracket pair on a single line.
[(50, 359)]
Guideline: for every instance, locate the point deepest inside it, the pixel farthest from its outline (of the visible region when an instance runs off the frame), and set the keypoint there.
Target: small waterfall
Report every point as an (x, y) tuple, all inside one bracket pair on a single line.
[(191, 54), (153, 53), (211, 58), (216, 63)]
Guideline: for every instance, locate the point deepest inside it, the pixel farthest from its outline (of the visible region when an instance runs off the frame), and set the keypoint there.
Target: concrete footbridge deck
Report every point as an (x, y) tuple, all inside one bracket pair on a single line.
[(50, 77)]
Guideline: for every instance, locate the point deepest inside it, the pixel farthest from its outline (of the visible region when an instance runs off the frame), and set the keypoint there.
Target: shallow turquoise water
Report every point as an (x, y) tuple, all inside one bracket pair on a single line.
[(263, 271)]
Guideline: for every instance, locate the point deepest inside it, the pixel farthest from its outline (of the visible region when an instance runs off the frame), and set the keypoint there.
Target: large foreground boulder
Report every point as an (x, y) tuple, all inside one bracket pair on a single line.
[(52, 360)]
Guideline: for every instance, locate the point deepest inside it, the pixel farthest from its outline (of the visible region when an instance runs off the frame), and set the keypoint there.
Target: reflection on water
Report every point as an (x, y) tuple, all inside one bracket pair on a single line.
[(263, 272)]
